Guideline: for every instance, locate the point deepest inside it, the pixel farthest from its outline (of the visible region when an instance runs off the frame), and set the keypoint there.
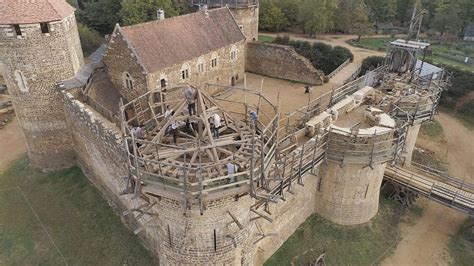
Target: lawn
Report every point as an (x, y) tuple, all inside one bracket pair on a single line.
[(344, 245), (60, 218), (265, 38), (433, 130), (460, 247), (377, 44)]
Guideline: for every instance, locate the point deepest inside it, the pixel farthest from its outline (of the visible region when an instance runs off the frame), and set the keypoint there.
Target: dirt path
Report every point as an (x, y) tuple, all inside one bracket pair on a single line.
[(12, 144), (339, 40), (425, 242)]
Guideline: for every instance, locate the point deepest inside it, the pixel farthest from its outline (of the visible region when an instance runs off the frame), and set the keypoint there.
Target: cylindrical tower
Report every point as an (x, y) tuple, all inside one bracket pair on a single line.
[(39, 47), (349, 186), (198, 164)]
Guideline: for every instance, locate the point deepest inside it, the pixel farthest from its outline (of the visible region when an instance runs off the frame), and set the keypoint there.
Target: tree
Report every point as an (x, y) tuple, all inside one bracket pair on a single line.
[(137, 11), (381, 10), (360, 21), (271, 17), (100, 15), (317, 15), (448, 17)]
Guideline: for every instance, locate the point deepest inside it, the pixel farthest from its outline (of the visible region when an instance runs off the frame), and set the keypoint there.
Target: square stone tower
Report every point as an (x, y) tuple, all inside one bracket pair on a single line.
[(39, 47)]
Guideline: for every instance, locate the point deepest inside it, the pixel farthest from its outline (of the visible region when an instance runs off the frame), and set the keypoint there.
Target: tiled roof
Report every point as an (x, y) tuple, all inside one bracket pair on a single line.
[(33, 11), (160, 44)]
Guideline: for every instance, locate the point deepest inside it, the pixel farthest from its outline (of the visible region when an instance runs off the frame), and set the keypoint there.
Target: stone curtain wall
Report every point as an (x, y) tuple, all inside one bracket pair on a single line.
[(222, 74), (100, 155), (287, 216), (44, 59), (281, 61)]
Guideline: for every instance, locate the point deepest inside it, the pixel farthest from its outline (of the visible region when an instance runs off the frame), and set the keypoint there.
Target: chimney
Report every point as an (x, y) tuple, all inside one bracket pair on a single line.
[(160, 14)]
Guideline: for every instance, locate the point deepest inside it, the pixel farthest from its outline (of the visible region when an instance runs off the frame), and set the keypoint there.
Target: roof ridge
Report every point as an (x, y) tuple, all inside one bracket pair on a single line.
[(172, 18)]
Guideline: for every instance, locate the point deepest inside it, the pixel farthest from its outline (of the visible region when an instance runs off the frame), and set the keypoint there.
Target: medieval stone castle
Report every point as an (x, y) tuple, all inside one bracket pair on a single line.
[(231, 197)]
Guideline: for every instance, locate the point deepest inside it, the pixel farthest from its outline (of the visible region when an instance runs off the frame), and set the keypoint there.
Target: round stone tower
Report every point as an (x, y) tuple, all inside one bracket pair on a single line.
[(349, 187), (39, 47)]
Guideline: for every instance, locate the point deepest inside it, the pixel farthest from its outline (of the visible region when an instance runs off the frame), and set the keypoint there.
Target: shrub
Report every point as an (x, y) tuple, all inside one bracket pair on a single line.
[(323, 57), (370, 63), (90, 39)]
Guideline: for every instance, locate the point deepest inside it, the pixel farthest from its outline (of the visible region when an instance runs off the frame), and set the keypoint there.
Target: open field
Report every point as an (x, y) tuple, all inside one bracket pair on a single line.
[(444, 53), (344, 245), (59, 218)]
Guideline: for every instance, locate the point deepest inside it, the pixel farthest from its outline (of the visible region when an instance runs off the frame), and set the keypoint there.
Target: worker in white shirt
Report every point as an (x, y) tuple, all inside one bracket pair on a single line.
[(216, 124), (174, 129), (168, 111)]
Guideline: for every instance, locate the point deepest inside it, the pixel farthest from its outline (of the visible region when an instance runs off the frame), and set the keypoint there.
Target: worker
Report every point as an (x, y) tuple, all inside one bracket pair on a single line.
[(253, 117), (168, 111), (232, 169), (308, 89), (190, 94), (216, 119), (174, 129), (138, 134)]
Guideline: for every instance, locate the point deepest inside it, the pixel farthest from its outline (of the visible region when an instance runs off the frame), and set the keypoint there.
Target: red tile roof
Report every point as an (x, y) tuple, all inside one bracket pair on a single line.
[(33, 11), (160, 44)]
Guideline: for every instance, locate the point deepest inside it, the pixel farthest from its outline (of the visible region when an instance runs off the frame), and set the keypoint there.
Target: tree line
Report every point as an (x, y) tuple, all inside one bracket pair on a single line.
[(359, 16)]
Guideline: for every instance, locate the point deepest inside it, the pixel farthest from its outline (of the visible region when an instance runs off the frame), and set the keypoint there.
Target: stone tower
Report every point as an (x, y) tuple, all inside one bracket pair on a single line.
[(245, 13), (39, 47)]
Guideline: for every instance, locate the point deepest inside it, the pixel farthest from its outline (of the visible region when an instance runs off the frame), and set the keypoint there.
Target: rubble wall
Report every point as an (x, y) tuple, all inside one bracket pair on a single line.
[(281, 61)]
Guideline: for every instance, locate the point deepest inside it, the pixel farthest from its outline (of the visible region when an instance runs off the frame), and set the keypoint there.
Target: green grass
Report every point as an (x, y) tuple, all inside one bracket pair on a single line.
[(460, 248), (344, 245), (265, 38), (79, 221), (433, 130), (442, 52), (377, 44)]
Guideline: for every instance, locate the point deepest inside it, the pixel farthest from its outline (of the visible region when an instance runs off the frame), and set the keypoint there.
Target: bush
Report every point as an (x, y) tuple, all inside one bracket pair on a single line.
[(90, 39), (371, 63), (467, 112), (323, 57)]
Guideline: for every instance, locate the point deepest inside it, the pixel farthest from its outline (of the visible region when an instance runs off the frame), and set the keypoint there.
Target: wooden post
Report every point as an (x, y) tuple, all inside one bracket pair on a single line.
[(259, 97), (301, 166), (314, 154), (290, 179)]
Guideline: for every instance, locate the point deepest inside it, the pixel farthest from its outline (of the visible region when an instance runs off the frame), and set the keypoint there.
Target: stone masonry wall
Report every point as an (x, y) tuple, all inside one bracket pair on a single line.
[(247, 19), (281, 61), (287, 215), (43, 60), (174, 236), (120, 58), (222, 74), (348, 194)]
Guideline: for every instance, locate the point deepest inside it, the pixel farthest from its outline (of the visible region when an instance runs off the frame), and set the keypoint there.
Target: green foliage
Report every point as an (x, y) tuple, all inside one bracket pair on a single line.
[(271, 17), (317, 16), (344, 245), (460, 246), (82, 224), (370, 63), (90, 39), (433, 129), (137, 11), (323, 57), (466, 111), (461, 85), (100, 15), (265, 38)]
